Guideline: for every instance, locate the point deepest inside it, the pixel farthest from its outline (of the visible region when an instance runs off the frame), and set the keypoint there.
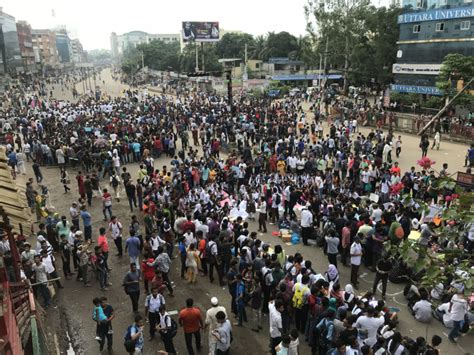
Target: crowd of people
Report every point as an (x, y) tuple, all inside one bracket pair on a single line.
[(271, 162)]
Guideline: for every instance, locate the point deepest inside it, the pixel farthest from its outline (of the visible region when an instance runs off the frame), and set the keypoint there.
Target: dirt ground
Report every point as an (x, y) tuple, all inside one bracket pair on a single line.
[(71, 329)]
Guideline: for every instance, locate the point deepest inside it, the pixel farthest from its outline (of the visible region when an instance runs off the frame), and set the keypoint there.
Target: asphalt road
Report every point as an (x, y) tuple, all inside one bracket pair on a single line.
[(71, 319)]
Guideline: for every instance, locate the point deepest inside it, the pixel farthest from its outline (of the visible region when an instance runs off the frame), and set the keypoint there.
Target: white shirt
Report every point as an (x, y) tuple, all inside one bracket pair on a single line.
[(306, 218), (356, 248), (371, 324), (459, 308), (275, 321), (153, 303), (115, 229), (211, 319)]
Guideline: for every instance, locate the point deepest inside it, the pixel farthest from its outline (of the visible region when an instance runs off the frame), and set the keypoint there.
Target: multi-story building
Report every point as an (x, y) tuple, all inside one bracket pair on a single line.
[(26, 46), (10, 55), (120, 43), (44, 48), (430, 30), (63, 44), (78, 55)]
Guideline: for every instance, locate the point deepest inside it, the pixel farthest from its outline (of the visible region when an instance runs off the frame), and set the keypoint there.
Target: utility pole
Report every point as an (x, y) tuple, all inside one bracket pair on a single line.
[(326, 59), (202, 57), (229, 90), (196, 68), (143, 60), (245, 76)]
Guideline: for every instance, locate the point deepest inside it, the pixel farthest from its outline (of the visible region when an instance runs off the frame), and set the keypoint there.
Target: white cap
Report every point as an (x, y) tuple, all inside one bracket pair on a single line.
[(214, 301)]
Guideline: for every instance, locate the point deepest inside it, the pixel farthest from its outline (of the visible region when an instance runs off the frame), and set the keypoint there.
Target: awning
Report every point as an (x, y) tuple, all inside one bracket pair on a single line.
[(13, 198), (306, 77)]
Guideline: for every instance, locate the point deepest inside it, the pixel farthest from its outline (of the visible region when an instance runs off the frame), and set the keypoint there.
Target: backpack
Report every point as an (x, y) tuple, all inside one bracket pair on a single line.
[(174, 328), (298, 297), (114, 181), (208, 249), (128, 343)]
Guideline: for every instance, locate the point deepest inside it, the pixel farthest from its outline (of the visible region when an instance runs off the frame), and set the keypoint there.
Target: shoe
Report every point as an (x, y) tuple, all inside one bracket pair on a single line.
[(97, 338), (105, 289)]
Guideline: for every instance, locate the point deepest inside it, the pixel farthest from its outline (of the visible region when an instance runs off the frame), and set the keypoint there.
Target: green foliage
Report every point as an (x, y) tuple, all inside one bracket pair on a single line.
[(232, 45), (160, 55), (362, 38), (187, 59), (456, 67), (437, 266)]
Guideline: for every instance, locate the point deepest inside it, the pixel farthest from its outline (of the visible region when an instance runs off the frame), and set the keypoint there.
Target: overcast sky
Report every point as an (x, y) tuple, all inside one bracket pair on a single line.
[(92, 21)]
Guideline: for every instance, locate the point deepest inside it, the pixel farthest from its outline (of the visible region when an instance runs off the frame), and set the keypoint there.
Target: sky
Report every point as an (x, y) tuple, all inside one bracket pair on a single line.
[(92, 21)]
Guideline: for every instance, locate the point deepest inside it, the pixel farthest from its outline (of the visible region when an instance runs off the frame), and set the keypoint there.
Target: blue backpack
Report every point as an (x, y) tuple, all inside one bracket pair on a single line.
[(128, 342)]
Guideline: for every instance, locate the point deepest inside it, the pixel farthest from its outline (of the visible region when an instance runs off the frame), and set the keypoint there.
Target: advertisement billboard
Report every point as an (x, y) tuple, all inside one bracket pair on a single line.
[(200, 31)]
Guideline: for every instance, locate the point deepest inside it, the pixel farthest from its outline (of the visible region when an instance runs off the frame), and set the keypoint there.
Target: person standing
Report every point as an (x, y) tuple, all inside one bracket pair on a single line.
[(212, 323), (332, 242), (131, 284), (87, 222), (458, 308), (356, 258), (134, 337), (276, 327), (262, 215), (223, 334), (103, 243), (239, 298), (191, 320), (75, 215), (132, 246), (383, 267), (106, 204), (41, 278), (80, 184), (153, 303), (109, 313), (163, 264), (115, 229), (166, 329), (306, 224)]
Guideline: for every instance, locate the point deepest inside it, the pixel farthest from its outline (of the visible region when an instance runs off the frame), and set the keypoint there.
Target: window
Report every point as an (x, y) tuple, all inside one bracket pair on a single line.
[(440, 27), (416, 28), (465, 25)]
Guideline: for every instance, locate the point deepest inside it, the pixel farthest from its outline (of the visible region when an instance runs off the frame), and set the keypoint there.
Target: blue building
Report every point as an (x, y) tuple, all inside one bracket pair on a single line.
[(63, 44), (430, 30)]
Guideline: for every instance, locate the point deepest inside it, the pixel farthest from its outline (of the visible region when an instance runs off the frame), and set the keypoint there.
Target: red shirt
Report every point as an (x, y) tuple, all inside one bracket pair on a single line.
[(103, 243), (190, 319)]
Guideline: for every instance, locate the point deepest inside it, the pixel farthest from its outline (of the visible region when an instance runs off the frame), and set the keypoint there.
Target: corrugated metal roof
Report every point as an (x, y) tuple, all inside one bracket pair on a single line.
[(12, 197)]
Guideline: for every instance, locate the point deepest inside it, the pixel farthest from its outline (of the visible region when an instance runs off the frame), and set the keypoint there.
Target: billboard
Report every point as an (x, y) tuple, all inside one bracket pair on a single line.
[(200, 31)]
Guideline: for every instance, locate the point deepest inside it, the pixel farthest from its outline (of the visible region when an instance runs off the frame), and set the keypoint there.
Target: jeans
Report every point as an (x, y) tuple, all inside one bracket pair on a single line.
[(455, 331), (168, 343), (188, 337), (135, 260), (242, 313), (43, 290), (87, 233), (132, 201), (107, 209), (354, 274), (118, 244), (153, 319), (134, 297), (102, 278), (378, 278)]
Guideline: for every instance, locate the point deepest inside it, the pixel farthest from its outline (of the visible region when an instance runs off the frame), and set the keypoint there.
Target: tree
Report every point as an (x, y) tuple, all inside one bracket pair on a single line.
[(187, 59), (232, 45), (439, 265), (282, 44), (160, 55), (258, 49), (360, 39), (456, 67)]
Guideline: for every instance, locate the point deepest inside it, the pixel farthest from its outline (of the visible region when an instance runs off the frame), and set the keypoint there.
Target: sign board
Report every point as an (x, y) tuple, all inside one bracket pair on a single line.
[(435, 15), (200, 31), (421, 69), (465, 180), (428, 90)]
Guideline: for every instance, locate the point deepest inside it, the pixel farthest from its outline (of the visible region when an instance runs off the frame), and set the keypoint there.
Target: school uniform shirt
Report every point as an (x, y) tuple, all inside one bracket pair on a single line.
[(154, 303), (356, 248), (275, 321), (224, 330)]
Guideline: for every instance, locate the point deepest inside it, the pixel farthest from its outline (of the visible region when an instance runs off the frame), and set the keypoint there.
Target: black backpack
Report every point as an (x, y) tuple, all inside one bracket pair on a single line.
[(114, 181), (174, 328)]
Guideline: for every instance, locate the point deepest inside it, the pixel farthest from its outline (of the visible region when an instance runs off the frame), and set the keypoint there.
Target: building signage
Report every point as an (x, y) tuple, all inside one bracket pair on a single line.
[(428, 90), (422, 69), (434, 15)]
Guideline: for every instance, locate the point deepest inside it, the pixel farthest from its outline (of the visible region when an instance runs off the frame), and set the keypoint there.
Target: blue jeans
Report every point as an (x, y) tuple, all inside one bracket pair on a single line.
[(242, 313), (455, 331), (44, 292), (102, 278)]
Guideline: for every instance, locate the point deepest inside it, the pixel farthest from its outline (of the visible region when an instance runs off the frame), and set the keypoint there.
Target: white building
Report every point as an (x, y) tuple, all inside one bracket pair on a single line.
[(120, 43)]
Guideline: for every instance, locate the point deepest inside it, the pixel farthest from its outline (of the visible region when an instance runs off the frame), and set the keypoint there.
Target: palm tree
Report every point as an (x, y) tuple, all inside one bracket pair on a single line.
[(258, 49)]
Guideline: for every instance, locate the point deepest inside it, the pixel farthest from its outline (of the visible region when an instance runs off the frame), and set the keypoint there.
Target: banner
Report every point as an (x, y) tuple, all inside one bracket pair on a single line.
[(434, 15), (429, 90), (421, 69), (200, 31)]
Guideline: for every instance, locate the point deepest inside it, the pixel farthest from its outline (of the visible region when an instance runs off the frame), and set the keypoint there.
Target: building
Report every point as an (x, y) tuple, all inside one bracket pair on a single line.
[(120, 43), (44, 48), (63, 44), (429, 30), (26, 46), (10, 58), (78, 54)]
